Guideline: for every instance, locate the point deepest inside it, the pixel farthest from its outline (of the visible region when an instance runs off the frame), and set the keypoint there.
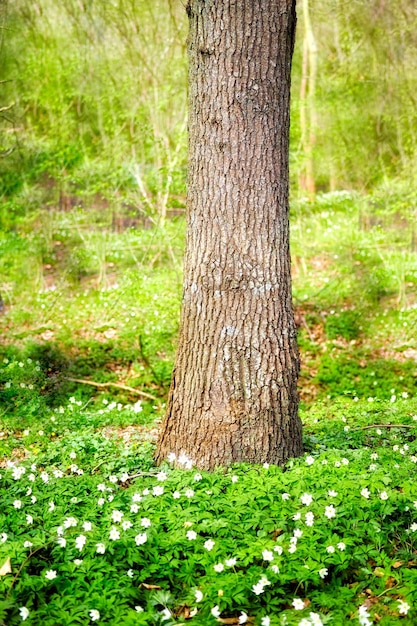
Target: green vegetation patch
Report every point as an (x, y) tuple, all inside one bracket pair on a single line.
[(92, 535)]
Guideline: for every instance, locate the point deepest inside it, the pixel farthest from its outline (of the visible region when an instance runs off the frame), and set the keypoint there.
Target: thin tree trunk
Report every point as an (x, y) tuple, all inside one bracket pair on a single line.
[(308, 115), (233, 395)]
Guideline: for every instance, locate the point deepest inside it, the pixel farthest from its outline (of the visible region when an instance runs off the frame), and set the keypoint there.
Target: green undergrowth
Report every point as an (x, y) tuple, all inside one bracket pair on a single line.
[(102, 303), (94, 532), (89, 329)]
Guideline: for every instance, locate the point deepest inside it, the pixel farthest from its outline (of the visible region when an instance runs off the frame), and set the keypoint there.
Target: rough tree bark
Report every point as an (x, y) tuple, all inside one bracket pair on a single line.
[(234, 388)]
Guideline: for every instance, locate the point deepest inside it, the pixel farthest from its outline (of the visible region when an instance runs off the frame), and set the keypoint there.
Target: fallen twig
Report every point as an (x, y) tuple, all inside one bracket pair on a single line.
[(384, 426), (29, 556), (97, 466), (82, 381), (141, 474)]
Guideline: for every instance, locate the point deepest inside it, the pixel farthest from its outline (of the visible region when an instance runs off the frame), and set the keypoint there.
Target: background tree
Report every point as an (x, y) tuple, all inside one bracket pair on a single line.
[(233, 395), (308, 115)]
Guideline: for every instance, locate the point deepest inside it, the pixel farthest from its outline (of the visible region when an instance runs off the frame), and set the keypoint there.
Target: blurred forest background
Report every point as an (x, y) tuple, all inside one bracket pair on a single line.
[(93, 133), (94, 101)]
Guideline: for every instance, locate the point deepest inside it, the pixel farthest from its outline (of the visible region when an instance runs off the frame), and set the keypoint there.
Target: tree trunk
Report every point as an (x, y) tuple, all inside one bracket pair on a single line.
[(234, 388), (308, 115)]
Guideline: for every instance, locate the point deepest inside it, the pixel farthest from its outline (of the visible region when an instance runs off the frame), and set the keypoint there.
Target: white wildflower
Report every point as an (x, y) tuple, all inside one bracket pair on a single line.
[(17, 473), (24, 613), (306, 499), (298, 604), (166, 614), (80, 542), (330, 512), (126, 524), (309, 518), (70, 521), (114, 534), (116, 516), (141, 539), (403, 607)]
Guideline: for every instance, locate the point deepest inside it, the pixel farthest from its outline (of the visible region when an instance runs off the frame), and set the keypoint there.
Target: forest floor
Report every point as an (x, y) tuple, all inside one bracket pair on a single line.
[(90, 530)]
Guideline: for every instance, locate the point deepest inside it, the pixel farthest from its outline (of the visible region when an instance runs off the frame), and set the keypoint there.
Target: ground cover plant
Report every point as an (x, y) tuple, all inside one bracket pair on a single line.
[(93, 532)]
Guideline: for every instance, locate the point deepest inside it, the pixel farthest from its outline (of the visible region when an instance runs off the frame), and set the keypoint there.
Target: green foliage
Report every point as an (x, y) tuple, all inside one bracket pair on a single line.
[(345, 324), (94, 120), (364, 108), (98, 103), (348, 374), (90, 529)]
